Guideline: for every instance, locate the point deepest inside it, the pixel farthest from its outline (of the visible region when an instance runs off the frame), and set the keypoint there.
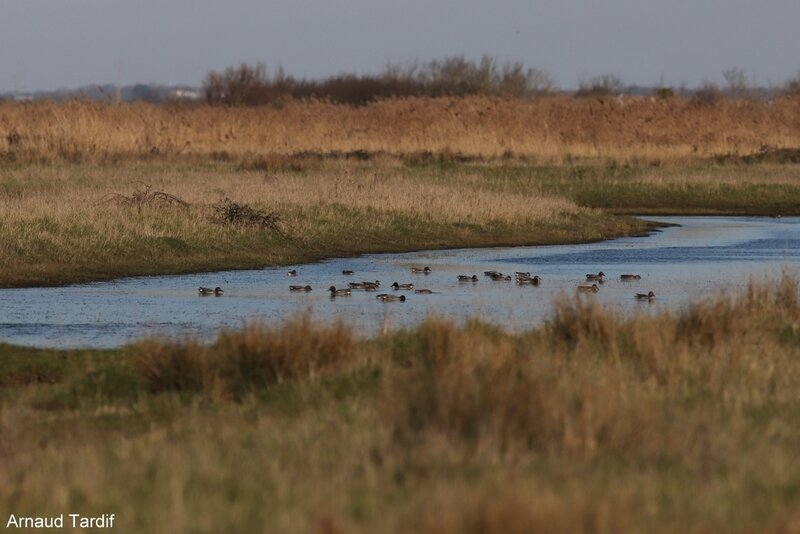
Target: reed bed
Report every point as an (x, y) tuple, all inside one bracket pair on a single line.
[(550, 129), (660, 422)]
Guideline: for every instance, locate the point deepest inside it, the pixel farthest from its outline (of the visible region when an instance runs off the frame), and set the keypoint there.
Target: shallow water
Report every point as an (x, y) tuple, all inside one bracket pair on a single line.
[(703, 256)]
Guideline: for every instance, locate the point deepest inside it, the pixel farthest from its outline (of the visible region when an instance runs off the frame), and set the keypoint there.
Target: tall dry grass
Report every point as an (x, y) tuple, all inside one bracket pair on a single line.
[(243, 361), (675, 421), (553, 128), (60, 219)]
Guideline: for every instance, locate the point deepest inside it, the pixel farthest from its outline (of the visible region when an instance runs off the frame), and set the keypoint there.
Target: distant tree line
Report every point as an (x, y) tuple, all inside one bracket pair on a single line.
[(255, 85), (453, 76)]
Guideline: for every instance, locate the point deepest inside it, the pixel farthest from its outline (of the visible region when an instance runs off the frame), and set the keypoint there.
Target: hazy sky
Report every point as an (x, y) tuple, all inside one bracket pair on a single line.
[(46, 44)]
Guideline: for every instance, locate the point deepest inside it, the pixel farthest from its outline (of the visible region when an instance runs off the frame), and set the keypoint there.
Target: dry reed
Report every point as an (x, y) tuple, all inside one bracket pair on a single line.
[(553, 128)]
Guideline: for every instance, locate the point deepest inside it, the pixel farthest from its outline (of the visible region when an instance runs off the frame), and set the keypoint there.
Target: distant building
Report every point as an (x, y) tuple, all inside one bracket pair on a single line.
[(185, 94)]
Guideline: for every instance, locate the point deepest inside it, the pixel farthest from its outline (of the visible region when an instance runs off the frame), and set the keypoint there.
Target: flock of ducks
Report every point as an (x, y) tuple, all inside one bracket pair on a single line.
[(521, 278)]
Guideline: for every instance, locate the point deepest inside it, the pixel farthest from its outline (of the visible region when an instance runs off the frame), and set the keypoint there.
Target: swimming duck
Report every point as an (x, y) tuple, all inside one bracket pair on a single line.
[(466, 278), (589, 289), (535, 281), (397, 286), (423, 292), (492, 273), (205, 291), (648, 296), (417, 270), (300, 288), (519, 274), (499, 277), (348, 273), (339, 292), (391, 298), (293, 272), (356, 285), (596, 277), (629, 277)]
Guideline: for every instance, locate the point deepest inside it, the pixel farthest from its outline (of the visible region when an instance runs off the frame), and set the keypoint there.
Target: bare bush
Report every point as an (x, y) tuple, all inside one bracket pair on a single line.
[(144, 197), (738, 83), (230, 212), (603, 85)]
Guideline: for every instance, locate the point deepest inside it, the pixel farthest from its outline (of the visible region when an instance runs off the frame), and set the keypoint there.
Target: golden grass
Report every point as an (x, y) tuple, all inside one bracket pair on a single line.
[(683, 421), (57, 221), (549, 129)]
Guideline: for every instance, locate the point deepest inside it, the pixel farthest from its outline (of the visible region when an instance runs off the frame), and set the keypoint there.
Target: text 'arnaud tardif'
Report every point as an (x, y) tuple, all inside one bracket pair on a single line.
[(59, 521)]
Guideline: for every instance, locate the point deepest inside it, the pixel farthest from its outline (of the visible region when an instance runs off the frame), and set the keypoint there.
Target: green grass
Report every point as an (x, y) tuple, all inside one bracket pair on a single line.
[(681, 421), (679, 189)]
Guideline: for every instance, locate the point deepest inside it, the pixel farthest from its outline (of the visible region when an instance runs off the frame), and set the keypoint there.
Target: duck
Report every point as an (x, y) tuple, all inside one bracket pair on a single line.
[(340, 292), (391, 298), (205, 291), (423, 291), (629, 277), (519, 274), (596, 277), (348, 272), (417, 270), (499, 277), (356, 285), (397, 286), (492, 273), (371, 286), (589, 289), (535, 281), (649, 296), (293, 272), (300, 288), (466, 278)]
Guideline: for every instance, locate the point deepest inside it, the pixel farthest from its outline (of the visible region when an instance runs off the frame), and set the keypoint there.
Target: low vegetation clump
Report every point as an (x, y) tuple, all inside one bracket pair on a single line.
[(241, 362), (659, 422)]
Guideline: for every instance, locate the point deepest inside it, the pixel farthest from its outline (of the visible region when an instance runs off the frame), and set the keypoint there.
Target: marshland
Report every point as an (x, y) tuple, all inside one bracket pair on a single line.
[(678, 418)]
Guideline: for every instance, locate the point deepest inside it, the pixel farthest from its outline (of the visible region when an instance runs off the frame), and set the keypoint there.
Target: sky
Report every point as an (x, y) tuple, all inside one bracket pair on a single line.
[(49, 44)]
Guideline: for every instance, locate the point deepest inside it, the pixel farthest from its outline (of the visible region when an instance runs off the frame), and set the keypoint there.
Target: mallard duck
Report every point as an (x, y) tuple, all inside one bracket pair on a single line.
[(417, 270), (596, 277), (589, 289), (466, 278), (293, 272), (348, 273), (339, 292), (648, 296), (397, 286), (205, 291), (629, 277), (391, 298), (423, 291), (300, 288)]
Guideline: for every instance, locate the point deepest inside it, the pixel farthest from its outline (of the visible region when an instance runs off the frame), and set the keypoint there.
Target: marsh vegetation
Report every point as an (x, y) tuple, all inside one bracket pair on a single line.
[(678, 421)]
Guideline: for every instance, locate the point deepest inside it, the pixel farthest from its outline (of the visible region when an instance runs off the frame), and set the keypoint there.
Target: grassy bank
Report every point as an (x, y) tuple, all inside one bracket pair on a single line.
[(682, 421), (69, 223), (63, 223)]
